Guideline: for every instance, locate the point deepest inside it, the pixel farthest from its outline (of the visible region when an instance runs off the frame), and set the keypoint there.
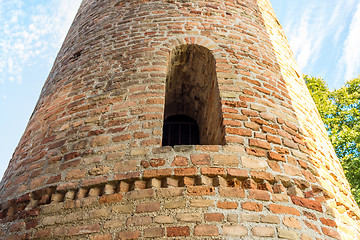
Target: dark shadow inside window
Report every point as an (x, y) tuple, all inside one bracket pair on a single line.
[(180, 130)]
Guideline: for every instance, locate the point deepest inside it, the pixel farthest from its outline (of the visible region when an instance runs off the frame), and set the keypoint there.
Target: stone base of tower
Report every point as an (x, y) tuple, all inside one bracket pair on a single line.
[(200, 197)]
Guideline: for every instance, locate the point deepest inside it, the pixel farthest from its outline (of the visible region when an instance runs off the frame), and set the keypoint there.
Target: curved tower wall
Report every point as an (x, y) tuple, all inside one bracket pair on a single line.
[(90, 164)]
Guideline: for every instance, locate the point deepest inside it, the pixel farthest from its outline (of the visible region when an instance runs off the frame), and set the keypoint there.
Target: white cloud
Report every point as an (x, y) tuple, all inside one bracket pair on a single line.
[(15, 16), (31, 34), (305, 44), (337, 14), (350, 60), (316, 30)]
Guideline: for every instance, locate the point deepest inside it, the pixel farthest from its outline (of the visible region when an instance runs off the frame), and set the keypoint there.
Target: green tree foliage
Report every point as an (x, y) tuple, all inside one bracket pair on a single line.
[(340, 111)]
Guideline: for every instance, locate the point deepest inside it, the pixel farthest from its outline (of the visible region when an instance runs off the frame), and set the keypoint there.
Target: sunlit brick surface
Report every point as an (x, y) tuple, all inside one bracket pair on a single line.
[(90, 164)]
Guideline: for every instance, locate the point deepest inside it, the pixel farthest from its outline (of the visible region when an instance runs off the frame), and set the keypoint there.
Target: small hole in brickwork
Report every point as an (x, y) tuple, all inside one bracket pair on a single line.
[(76, 55), (235, 183)]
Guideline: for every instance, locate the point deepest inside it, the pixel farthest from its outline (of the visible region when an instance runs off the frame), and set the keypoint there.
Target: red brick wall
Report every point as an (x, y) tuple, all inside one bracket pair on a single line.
[(90, 164)]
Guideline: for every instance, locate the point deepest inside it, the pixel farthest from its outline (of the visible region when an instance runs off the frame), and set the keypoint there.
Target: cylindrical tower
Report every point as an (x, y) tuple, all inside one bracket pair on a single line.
[(176, 119)]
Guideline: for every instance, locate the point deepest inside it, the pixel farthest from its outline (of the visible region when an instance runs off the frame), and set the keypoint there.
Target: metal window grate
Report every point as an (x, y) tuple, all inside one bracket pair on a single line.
[(180, 130)]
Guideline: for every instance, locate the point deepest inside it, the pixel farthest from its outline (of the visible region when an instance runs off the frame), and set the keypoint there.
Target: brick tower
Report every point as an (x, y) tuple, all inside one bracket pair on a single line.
[(176, 119)]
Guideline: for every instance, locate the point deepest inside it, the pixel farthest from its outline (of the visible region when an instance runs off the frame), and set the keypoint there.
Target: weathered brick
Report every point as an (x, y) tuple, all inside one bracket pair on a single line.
[(31, 224), (83, 230), (289, 143), (258, 176), (239, 131), (100, 141), (256, 152), (259, 194), (312, 226), (191, 171), (232, 192), (169, 192), (40, 233), (129, 235), (279, 209), (188, 181), (200, 190), (291, 170), (157, 173), (310, 215), (94, 181), (17, 227), (331, 233), (226, 160), (123, 208), (178, 231), (252, 126), (138, 221), (252, 206), (259, 143), (70, 156), (233, 218), (328, 222), (241, 173), (200, 159), (110, 198), (250, 217), (175, 204), (101, 237), (189, 217), (95, 191), (164, 219), (98, 213), (287, 234), (212, 171), (37, 182), (206, 230), (154, 232), (180, 161), (249, 184), (125, 176), (306, 236), (291, 222), (125, 166), (227, 205), (254, 163), (234, 139), (276, 156), (308, 203), (263, 231), (137, 194), (235, 230), (270, 219), (141, 184), (201, 202), (275, 166), (214, 217), (60, 231), (148, 207), (273, 139)]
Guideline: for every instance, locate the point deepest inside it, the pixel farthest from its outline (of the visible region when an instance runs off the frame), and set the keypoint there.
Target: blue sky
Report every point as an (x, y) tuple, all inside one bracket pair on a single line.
[(324, 35)]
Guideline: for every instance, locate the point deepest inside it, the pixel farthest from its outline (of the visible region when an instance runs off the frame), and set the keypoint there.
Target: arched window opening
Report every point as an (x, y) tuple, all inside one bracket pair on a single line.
[(180, 130), (192, 91)]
